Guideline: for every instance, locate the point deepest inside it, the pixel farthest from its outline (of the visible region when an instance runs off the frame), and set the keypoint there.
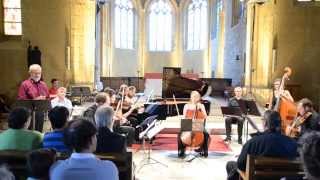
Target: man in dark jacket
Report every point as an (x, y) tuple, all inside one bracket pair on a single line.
[(270, 143), (107, 140), (100, 99)]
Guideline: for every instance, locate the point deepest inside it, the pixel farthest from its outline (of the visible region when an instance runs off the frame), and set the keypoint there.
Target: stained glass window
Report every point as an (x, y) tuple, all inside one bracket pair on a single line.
[(160, 26), (12, 17), (124, 24), (197, 25)]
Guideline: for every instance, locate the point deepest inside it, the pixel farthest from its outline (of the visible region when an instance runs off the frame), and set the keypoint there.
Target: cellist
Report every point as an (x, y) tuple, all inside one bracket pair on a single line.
[(194, 110)]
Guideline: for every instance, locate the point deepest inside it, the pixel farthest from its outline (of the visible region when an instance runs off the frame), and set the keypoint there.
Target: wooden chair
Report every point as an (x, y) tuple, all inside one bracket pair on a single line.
[(261, 168), (16, 162)]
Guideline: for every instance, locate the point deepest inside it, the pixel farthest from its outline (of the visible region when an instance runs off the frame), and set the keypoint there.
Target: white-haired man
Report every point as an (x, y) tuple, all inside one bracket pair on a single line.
[(34, 89), (61, 99)]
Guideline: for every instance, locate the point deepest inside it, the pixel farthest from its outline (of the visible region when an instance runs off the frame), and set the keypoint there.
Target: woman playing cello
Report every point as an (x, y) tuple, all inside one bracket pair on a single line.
[(196, 112)]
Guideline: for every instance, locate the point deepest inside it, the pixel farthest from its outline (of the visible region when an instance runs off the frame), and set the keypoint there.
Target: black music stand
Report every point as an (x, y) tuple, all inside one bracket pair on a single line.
[(34, 106)]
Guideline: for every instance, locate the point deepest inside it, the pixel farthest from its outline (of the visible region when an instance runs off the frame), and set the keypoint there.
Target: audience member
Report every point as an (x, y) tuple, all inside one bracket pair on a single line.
[(39, 162), (58, 117), (270, 143), (61, 100), (5, 174), (17, 137), (100, 99), (310, 154), (53, 91), (82, 164), (107, 140)]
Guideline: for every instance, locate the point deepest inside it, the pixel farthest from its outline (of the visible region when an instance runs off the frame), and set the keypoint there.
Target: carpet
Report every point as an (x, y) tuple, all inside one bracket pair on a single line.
[(169, 142)]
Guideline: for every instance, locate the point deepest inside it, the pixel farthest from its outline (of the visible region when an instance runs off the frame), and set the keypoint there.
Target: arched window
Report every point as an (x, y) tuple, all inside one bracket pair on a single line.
[(12, 17), (197, 25), (160, 26), (124, 24)]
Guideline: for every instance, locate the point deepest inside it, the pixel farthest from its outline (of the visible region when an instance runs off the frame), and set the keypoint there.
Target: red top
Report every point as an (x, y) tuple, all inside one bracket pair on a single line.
[(53, 91), (30, 89)]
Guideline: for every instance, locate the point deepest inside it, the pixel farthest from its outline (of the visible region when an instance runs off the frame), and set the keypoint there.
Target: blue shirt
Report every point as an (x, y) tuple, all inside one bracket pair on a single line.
[(55, 140)]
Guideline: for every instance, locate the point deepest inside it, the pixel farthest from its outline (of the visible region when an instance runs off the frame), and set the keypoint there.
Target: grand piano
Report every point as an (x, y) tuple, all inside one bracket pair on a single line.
[(175, 85)]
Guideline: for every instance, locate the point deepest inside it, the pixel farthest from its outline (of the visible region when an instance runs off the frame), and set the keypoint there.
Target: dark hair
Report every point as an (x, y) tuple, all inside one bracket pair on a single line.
[(18, 117), (310, 153), (306, 103), (53, 80), (101, 98), (58, 117), (39, 162), (78, 134), (272, 121), (132, 88), (109, 91)]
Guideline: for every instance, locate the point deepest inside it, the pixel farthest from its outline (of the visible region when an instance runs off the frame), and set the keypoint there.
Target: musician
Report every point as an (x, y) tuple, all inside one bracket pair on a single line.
[(278, 92), (195, 107), (100, 99), (312, 121), (234, 102), (34, 89), (270, 143), (131, 96)]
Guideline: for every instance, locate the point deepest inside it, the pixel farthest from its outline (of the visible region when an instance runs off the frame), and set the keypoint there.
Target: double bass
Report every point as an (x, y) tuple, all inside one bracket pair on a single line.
[(286, 108)]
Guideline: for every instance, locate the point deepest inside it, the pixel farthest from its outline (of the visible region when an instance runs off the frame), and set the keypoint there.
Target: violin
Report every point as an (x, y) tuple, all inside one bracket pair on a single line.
[(293, 130)]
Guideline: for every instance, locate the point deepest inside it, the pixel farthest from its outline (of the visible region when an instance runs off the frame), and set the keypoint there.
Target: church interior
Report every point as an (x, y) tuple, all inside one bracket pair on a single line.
[(149, 77)]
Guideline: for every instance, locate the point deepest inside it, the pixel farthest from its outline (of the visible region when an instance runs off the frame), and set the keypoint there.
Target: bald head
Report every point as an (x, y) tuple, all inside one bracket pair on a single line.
[(35, 72)]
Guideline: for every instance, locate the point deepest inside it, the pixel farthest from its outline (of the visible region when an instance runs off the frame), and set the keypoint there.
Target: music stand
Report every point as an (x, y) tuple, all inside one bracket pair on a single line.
[(251, 109), (147, 135), (34, 106)]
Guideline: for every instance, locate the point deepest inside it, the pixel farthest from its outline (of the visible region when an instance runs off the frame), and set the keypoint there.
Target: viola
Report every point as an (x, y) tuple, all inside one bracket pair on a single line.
[(292, 131)]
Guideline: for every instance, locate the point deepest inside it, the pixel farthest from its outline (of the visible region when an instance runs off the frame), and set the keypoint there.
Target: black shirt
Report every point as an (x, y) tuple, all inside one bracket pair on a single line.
[(270, 144), (312, 123), (110, 142)]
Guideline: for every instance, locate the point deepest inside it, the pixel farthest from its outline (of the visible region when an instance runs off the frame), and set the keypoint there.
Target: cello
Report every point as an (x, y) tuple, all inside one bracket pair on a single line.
[(286, 108)]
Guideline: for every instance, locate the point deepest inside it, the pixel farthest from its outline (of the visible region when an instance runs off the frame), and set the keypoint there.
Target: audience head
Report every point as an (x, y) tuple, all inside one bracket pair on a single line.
[(104, 117), (5, 174), (310, 154), (132, 91), (80, 135), (195, 97), (55, 83), (304, 106), (39, 162), (111, 93), (276, 84), (238, 92), (101, 98), (58, 117), (19, 118), (272, 121), (62, 92), (35, 72)]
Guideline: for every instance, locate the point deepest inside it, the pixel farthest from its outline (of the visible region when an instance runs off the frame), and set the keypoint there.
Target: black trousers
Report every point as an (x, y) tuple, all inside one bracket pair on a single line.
[(232, 170), (234, 120), (128, 131), (204, 146)]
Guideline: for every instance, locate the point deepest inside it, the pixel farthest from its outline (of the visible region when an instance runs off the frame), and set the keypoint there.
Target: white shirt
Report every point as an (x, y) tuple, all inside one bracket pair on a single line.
[(65, 103)]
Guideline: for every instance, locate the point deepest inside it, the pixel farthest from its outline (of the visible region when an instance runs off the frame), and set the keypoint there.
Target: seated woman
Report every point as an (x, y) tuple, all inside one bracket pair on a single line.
[(80, 135), (196, 111), (18, 137)]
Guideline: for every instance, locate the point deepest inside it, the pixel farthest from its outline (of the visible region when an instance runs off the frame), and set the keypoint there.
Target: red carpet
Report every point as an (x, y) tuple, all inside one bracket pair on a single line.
[(169, 142)]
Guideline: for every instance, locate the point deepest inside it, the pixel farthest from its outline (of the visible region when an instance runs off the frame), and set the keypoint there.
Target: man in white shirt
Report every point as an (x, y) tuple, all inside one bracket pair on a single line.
[(61, 99)]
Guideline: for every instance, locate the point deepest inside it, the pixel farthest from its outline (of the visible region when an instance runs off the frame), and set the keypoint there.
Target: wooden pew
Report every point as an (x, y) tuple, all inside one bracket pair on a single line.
[(16, 162), (267, 168)]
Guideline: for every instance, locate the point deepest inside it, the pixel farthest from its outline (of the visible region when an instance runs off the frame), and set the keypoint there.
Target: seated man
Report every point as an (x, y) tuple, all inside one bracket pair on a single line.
[(100, 99), (53, 91), (234, 102), (17, 137), (58, 117), (270, 143), (107, 140), (61, 100), (39, 162), (83, 164)]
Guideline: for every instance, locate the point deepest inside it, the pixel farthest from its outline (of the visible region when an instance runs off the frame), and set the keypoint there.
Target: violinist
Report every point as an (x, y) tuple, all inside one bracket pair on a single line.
[(194, 110), (309, 119), (100, 99), (277, 91)]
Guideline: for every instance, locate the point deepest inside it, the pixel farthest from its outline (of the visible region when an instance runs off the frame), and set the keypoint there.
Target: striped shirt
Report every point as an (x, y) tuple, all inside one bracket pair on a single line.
[(54, 140)]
